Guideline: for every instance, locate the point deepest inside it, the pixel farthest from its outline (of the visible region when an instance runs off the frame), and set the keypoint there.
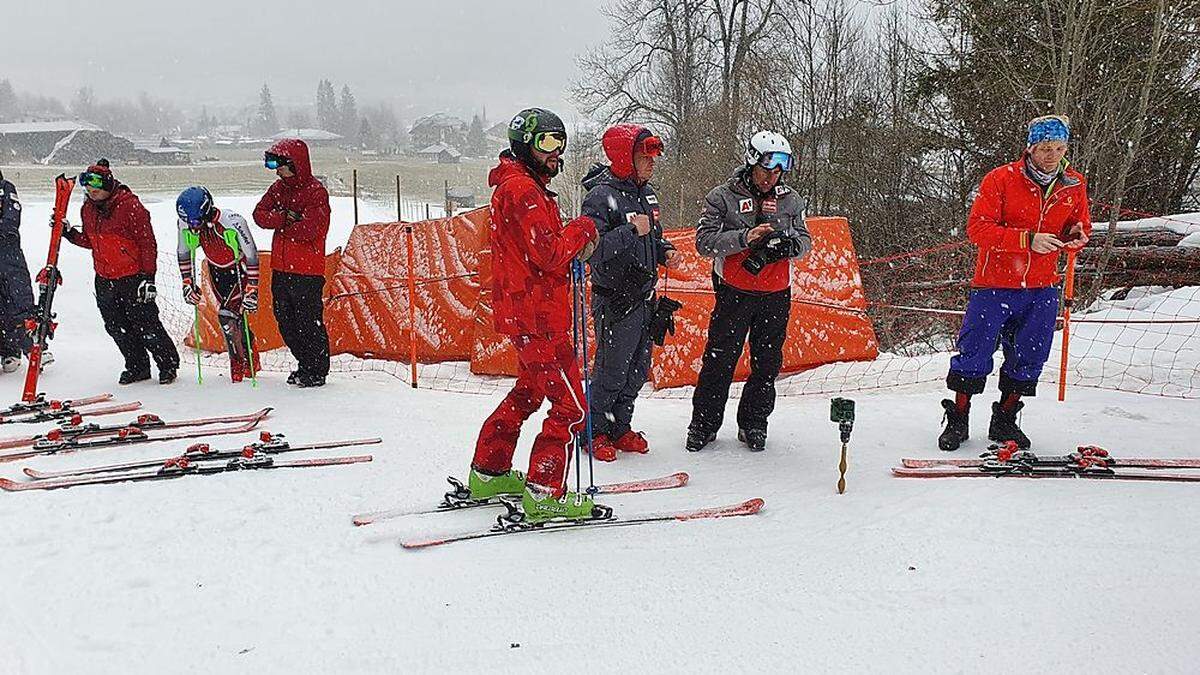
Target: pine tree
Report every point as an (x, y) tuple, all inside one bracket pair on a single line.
[(476, 140), (348, 114), (327, 107), (367, 137), (8, 100), (265, 121)]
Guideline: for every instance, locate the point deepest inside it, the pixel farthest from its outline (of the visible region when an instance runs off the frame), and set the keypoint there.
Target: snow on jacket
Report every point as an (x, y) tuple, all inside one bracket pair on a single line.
[(531, 252), (622, 255), (212, 241), (118, 232), (730, 211), (1008, 210), (298, 245)]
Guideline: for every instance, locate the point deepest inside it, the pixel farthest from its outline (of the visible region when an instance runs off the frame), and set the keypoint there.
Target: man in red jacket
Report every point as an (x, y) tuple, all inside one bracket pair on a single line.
[(116, 227), (1025, 213), (532, 251), (296, 207)]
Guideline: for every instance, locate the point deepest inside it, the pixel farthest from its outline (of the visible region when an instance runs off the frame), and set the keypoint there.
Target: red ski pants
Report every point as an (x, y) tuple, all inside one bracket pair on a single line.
[(547, 369)]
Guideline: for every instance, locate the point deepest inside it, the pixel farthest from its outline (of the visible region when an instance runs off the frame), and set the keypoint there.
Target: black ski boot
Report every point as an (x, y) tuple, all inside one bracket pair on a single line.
[(167, 375), (755, 439), (696, 439), (958, 426), (305, 381), (1004, 426), (294, 377), (129, 377)]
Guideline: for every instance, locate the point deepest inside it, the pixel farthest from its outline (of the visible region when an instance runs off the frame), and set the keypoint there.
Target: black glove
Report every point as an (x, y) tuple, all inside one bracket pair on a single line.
[(146, 292), (663, 320)]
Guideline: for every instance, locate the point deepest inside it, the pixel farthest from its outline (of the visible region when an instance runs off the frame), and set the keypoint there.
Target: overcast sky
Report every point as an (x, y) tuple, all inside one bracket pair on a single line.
[(454, 54)]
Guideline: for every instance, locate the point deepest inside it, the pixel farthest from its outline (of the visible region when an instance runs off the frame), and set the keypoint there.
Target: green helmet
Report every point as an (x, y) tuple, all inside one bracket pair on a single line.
[(530, 122)]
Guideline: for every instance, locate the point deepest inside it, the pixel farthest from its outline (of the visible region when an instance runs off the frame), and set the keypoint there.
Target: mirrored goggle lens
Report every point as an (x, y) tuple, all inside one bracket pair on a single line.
[(272, 164), (550, 141), (92, 180), (273, 161), (772, 160), (652, 146)]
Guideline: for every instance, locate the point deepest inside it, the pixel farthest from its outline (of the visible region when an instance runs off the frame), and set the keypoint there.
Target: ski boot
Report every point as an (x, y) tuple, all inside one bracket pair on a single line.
[(697, 439), (603, 449), (755, 439), (632, 441), (167, 375), (539, 507), (129, 377), (482, 487), (1003, 426), (293, 377), (958, 426), (10, 364)]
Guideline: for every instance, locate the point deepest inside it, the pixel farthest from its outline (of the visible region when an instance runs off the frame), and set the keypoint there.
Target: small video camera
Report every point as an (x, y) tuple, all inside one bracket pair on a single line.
[(841, 411)]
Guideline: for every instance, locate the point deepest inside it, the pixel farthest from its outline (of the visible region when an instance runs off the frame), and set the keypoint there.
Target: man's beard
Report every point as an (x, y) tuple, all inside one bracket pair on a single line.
[(546, 171)]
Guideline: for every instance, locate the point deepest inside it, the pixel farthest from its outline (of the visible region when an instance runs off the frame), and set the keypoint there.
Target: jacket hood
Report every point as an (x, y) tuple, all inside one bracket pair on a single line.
[(619, 142), (295, 150), (510, 167), (601, 174)]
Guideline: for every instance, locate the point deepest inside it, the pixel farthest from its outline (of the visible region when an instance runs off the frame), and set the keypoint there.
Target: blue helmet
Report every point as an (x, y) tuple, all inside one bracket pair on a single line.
[(195, 205)]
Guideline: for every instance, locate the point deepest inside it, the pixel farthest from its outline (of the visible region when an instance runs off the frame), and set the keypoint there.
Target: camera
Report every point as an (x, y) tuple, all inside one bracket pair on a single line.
[(774, 247)]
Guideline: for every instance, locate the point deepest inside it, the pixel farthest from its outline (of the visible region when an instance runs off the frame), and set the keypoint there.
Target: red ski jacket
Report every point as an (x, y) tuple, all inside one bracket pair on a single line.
[(297, 208), (118, 232), (1009, 209), (531, 252)]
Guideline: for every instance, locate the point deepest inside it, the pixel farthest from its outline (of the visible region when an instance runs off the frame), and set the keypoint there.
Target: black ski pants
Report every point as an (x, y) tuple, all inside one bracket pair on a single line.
[(738, 314), (299, 312), (134, 326), (16, 303), (622, 364)]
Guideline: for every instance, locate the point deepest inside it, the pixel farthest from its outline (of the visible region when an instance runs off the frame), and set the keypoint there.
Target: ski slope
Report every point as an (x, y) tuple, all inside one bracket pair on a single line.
[(263, 572)]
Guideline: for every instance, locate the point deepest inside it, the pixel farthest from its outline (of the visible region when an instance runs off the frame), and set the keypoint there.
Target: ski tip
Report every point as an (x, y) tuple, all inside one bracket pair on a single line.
[(754, 505), (421, 543), (682, 477), (10, 485), (359, 521), (32, 473)]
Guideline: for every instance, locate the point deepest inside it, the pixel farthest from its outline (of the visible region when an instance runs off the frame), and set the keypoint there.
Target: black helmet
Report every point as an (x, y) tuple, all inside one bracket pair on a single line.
[(530, 122)]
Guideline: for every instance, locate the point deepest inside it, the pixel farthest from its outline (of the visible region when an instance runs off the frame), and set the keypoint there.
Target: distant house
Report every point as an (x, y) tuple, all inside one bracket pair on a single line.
[(312, 137), (440, 153), (162, 154), (438, 128), (60, 142), (463, 197)]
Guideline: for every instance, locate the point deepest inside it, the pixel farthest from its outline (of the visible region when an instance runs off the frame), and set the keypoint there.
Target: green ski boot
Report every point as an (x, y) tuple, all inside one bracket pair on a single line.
[(540, 507), (484, 486)]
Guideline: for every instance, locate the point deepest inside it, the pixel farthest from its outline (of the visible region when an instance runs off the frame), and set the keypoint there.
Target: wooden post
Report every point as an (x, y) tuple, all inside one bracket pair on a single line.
[(426, 210), (354, 181), (1068, 299), (412, 306), (399, 215)]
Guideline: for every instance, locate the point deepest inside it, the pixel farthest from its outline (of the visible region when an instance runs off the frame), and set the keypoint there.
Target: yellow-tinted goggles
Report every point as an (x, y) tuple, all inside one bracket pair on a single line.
[(550, 141)]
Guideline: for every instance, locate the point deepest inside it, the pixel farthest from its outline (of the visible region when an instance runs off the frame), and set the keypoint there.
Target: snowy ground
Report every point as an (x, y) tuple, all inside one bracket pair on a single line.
[(262, 572)]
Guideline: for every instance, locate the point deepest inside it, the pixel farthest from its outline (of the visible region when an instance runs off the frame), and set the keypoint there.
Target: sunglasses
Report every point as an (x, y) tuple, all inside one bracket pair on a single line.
[(92, 180), (773, 160), (550, 141), (273, 161)]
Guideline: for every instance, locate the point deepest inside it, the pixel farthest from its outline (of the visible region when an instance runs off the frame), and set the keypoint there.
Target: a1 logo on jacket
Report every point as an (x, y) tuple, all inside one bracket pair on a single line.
[(746, 206)]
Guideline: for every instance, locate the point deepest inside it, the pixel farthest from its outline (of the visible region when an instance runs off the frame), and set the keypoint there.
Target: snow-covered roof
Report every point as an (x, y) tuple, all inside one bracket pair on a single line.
[(62, 126), (438, 120), (159, 150), (439, 148), (308, 135)]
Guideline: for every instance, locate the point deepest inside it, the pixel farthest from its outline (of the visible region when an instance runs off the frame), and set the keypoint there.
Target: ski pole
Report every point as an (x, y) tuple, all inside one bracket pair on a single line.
[(192, 241), (1068, 300), (587, 384), (575, 350)]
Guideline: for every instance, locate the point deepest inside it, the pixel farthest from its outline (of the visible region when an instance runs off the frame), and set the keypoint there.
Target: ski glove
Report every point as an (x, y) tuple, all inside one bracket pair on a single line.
[(191, 294), (663, 320), (250, 301), (146, 292)]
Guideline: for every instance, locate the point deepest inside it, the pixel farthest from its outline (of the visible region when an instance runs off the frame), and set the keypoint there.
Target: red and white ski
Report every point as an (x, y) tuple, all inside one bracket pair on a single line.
[(40, 405), (1047, 472), (75, 428), (459, 498), (125, 436), (268, 444), (41, 325), (261, 461), (75, 415), (746, 508), (1084, 455)]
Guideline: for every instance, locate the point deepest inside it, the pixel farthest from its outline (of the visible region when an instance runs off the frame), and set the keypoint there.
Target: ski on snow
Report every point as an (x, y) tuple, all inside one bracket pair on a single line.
[(1085, 456), (125, 436), (74, 415), (459, 498), (41, 325), (185, 468), (1027, 471), (507, 527), (268, 444), (40, 405), (75, 428)]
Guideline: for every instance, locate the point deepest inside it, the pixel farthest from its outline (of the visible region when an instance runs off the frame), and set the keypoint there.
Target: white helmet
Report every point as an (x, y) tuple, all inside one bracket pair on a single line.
[(769, 149)]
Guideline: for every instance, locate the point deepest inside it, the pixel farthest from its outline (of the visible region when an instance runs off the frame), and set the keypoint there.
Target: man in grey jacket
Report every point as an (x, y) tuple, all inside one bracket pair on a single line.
[(752, 226)]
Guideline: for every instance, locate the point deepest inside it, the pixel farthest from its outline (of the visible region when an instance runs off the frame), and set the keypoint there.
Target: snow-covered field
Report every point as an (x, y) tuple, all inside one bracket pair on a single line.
[(263, 572)]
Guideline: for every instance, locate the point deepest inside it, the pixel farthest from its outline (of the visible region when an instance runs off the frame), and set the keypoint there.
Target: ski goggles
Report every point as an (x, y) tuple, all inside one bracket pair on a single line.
[(550, 141), (772, 160), (273, 161), (650, 145), (91, 179)]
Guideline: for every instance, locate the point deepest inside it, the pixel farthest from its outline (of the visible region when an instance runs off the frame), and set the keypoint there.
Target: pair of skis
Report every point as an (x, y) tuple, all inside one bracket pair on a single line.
[(42, 409), (146, 429), (199, 459), (1088, 461), (458, 498)]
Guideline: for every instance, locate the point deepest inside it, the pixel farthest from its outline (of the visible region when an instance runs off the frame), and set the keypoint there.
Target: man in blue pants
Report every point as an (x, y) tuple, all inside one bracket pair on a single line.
[(16, 290)]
